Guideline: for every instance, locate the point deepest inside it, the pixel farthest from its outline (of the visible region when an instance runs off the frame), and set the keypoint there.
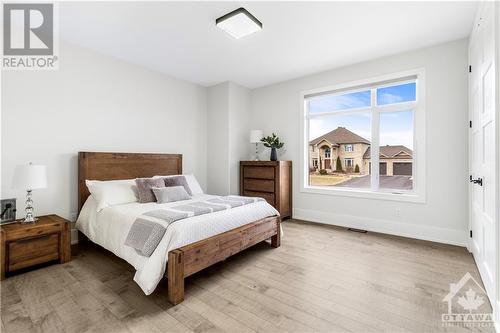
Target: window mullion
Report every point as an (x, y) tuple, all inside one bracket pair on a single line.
[(374, 150)]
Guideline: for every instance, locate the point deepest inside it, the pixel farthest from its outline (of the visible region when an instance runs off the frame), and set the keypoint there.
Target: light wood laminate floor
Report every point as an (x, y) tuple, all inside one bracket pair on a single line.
[(322, 279)]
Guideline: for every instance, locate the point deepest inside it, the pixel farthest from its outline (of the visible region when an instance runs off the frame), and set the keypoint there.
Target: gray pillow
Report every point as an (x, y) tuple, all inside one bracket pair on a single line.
[(170, 194), (144, 188), (177, 181)]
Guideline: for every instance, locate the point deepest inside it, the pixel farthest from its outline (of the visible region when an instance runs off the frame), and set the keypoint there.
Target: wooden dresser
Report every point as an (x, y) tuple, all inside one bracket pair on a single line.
[(25, 245), (271, 180)]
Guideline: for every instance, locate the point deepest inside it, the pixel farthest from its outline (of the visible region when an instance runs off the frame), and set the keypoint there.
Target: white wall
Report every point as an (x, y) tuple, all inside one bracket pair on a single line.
[(239, 132), (94, 103), (443, 217), (218, 139), (228, 106)]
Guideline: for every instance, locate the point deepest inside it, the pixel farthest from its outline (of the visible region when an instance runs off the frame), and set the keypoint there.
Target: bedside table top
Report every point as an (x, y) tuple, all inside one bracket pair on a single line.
[(265, 163), (27, 245), (44, 224)]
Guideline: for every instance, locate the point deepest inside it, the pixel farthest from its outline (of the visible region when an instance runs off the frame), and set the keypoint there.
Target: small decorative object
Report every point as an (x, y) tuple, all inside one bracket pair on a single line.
[(274, 143), (30, 177), (255, 136)]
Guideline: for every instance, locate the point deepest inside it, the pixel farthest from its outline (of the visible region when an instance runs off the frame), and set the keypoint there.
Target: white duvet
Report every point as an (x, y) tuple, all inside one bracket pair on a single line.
[(110, 226)]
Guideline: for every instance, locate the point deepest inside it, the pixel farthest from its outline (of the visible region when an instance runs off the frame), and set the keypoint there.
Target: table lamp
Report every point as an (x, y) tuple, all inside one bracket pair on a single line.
[(255, 136), (30, 177)]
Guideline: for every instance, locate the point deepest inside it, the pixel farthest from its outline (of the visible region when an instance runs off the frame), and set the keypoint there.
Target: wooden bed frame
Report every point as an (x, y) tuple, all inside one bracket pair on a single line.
[(189, 259)]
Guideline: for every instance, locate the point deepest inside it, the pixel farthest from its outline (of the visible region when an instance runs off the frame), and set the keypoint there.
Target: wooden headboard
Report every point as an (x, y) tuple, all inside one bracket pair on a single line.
[(112, 166)]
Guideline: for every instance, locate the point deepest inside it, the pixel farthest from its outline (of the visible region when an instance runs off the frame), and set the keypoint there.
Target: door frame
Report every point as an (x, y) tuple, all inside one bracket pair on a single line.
[(496, 16)]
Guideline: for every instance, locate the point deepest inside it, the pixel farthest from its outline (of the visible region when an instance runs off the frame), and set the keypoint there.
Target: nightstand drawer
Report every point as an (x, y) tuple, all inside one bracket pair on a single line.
[(34, 230), (33, 251), (258, 185), (269, 197), (258, 172)]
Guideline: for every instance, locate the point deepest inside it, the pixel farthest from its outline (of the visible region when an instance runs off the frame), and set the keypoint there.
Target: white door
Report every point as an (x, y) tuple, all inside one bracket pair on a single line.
[(482, 146)]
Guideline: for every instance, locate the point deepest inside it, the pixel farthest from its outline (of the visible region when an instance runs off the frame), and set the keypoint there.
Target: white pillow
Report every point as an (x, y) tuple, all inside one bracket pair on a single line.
[(193, 184), (112, 192)]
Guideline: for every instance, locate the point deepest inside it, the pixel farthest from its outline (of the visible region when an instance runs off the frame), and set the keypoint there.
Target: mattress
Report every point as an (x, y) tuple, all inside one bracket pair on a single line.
[(109, 228)]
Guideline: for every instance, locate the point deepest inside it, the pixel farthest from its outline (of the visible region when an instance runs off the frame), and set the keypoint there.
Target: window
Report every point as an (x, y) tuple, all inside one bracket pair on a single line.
[(381, 118)]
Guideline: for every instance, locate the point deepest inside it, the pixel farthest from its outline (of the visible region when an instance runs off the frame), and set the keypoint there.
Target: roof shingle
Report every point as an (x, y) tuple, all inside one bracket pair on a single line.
[(390, 151), (340, 135)]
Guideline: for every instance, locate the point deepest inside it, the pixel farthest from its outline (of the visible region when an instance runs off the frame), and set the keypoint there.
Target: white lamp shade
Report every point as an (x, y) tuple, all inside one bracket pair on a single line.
[(255, 136), (30, 176)]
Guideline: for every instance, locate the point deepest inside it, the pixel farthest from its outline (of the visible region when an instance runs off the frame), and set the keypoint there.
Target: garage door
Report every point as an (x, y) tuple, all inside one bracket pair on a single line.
[(402, 169), (382, 168)]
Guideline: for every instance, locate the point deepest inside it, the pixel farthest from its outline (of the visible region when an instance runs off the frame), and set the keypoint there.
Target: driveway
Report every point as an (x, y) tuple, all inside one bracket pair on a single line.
[(393, 182)]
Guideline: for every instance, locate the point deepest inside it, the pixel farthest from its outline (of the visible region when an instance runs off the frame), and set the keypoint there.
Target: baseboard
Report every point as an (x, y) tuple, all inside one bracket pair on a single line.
[(440, 235)]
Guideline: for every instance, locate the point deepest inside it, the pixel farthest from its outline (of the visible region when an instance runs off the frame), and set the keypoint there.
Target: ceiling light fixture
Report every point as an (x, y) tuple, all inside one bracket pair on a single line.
[(239, 23)]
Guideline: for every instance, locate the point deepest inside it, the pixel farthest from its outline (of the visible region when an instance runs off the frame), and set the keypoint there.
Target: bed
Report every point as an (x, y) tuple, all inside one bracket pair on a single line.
[(187, 247)]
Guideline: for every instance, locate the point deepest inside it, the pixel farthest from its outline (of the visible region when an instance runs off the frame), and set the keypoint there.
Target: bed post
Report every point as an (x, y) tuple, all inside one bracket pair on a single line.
[(175, 276), (276, 239)]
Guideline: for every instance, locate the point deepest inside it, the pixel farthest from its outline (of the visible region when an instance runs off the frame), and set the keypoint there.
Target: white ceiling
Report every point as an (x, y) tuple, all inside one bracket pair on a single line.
[(298, 38)]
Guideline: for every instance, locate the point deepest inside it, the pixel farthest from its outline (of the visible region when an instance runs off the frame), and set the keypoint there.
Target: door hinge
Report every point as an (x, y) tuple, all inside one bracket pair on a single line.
[(470, 233), (470, 69), (470, 123)]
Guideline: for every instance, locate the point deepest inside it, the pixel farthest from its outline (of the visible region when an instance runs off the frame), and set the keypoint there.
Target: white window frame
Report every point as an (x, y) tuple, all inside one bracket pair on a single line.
[(349, 159), (419, 156), (351, 148)]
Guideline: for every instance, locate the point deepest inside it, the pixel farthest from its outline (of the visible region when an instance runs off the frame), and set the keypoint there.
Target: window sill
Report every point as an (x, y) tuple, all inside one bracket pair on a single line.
[(366, 194)]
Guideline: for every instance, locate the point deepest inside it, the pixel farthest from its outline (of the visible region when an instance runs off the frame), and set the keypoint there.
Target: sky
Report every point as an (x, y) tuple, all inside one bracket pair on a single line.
[(396, 128)]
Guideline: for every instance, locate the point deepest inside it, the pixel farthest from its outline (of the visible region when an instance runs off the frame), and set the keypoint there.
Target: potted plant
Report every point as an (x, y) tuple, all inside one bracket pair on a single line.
[(274, 143)]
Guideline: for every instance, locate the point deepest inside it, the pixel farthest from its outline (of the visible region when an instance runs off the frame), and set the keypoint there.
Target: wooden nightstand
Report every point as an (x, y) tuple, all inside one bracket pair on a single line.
[(25, 245)]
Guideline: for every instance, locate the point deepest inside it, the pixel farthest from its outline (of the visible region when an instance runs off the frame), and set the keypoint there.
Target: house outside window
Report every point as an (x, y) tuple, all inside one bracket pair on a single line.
[(379, 123), (349, 162)]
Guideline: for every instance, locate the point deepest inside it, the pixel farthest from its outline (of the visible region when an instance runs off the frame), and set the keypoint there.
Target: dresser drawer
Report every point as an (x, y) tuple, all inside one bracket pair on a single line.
[(33, 251), (258, 172), (269, 197), (258, 185)]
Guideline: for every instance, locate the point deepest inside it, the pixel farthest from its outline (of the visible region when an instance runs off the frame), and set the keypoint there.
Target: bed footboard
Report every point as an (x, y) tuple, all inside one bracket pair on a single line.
[(192, 258)]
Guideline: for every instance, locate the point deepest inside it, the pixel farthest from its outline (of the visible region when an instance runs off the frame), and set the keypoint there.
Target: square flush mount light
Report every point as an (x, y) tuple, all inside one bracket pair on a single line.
[(239, 23)]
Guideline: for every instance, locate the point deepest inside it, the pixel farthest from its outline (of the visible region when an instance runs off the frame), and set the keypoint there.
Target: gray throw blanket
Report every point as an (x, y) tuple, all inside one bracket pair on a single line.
[(148, 229)]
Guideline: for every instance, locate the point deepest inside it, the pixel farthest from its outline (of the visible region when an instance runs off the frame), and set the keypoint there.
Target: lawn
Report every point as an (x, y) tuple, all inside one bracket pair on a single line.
[(324, 180)]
